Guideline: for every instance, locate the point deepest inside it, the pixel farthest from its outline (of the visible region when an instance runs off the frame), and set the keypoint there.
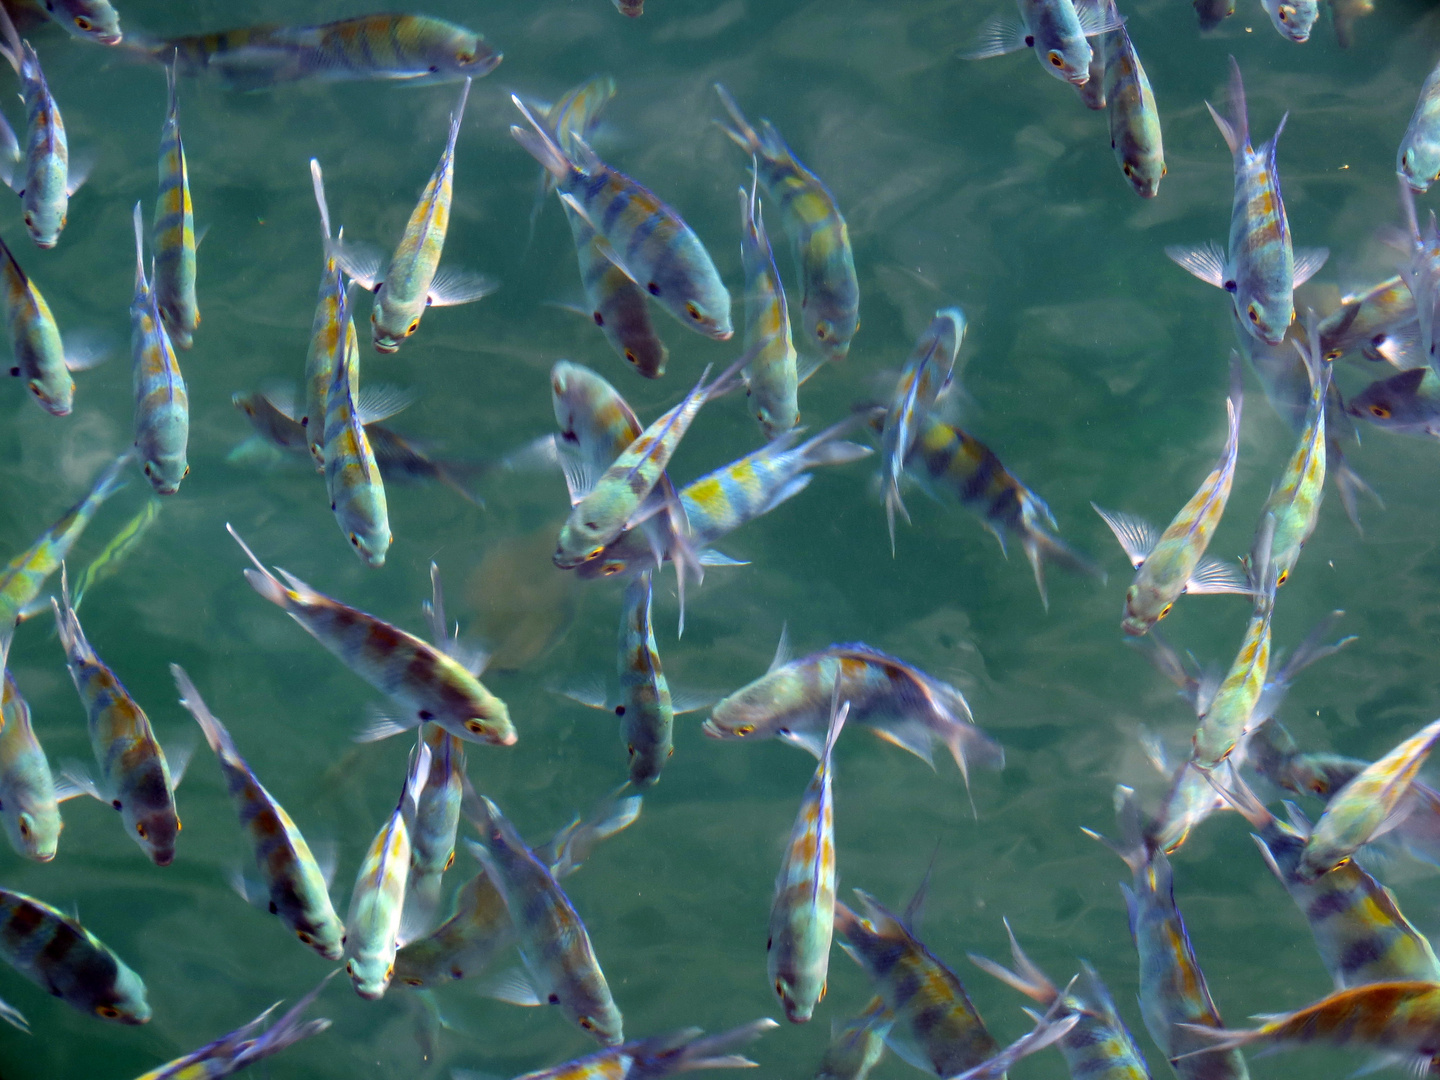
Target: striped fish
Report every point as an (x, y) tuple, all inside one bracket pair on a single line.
[(936, 1029), (560, 965), (117, 551), (162, 405), (1418, 159), (662, 1055), (427, 683), (1134, 119), (1099, 1046), (857, 1046), (772, 378), (1295, 502), (641, 235), (372, 927), (575, 113), (433, 826), (297, 888), (174, 231), (1261, 271), (1054, 29), (953, 463), (802, 915), (819, 238), (1379, 322), (413, 281), (1175, 562), (926, 374), (64, 959), (28, 805), (135, 777), (387, 45), (352, 477), (1294, 19), (647, 715), (49, 181), (324, 331), (38, 353), (1421, 274)]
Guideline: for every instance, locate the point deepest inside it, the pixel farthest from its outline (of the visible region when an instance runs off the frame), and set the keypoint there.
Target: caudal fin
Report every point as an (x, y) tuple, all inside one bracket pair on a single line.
[(215, 733)]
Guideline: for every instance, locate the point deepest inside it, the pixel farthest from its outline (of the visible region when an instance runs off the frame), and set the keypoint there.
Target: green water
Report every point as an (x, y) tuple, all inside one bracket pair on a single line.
[(1096, 369)]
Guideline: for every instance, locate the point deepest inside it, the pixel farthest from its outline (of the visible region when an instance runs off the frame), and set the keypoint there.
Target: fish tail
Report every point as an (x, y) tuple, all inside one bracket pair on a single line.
[(541, 143), (456, 117), (67, 625), (1041, 547), (1219, 1039), (742, 133), (704, 1053), (172, 105), (826, 449), (1349, 484), (1027, 976), (1237, 129), (288, 1030), (1233, 789), (262, 580), (1132, 846), (215, 733), (318, 182), (12, 50), (112, 479), (141, 285)]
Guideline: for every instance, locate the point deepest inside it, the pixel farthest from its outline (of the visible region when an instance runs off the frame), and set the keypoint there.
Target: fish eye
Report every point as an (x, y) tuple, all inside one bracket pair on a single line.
[(140, 828), (1380, 411), (450, 861), (185, 473), (779, 988), (178, 825), (1284, 576), (1333, 355), (599, 319), (35, 387), (1127, 170), (744, 729), (1056, 60), (670, 753), (611, 569), (29, 220), (475, 727), (587, 1023), (350, 968), (305, 939), (593, 553), (1254, 314), (1164, 171), (354, 540), (1166, 610), (24, 827), (653, 288), (462, 57), (1284, 14), (413, 982), (82, 23), (821, 331), (414, 325), (148, 470), (693, 311), (823, 987), (630, 749), (630, 355), (109, 1012)]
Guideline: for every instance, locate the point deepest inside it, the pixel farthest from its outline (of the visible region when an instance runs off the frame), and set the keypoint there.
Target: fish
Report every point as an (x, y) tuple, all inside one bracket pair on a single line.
[(1359, 930), (1099, 1046), (773, 378), (60, 956), (296, 887), (325, 330), (372, 927), (89, 20), (645, 239), (352, 477), (479, 929), (647, 715), (412, 280), (1174, 997), (857, 1046), (1293, 19), (559, 962), (135, 776), (633, 8), (936, 1028), (1134, 118), (39, 354), (1364, 808), (1174, 563), (1418, 159), (1379, 321), (28, 799), (1049, 1029), (242, 1047), (1262, 270), (49, 180), (162, 404), (1092, 90), (819, 237), (1055, 29), (577, 112), (427, 683), (662, 1055), (1407, 403), (903, 705), (415, 49), (1346, 14), (1212, 13), (926, 375), (117, 551), (802, 915), (1421, 272), (174, 231)]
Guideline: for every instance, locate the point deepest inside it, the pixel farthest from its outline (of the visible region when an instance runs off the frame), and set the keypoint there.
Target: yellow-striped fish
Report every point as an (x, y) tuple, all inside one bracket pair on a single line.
[(174, 231), (162, 405)]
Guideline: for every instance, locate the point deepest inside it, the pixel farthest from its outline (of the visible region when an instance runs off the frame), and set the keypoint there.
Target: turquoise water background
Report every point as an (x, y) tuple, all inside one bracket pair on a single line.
[(1096, 370)]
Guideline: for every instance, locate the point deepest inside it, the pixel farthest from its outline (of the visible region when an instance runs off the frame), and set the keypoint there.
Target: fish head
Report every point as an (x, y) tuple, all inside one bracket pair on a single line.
[(1397, 402), (1294, 19), (747, 713), (1145, 605), (599, 1017), (580, 543), (45, 219), (632, 8), (689, 287), (53, 390), (1145, 173), (165, 471), (326, 937), (645, 352), (33, 828), (123, 1000), (461, 53), (388, 328), (1419, 161), (176, 324), (154, 829), (613, 562), (829, 326), (371, 544), (484, 719), (94, 20), (370, 974), (1266, 317), (1067, 58), (799, 991)]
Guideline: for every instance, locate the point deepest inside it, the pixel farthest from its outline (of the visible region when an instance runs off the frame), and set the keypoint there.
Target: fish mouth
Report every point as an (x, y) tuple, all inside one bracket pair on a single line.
[(163, 858), (53, 408), (564, 561), (483, 65), (386, 345), (710, 728)]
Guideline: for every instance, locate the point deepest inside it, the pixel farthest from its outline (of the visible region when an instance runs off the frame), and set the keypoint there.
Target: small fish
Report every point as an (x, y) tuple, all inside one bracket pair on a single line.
[(162, 405), (1365, 807), (1262, 270), (647, 715), (1055, 29), (373, 925), (1099, 1046), (662, 1055), (1049, 1029), (1293, 19), (296, 886), (1134, 119), (174, 231), (49, 181), (802, 915), (926, 374), (1295, 502), (119, 549), (1212, 13), (60, 956), (426, 682), (413, 281), (242, 1047), (1092, 90), (1407, 403), (935, 1029), (560, 965), (576, 113), (92, 20), (414, 48), (1175, 562), (135, 777), (641, 235), (39, 354), (28, 805), (1418, 159), (819, 237), (772, 378), (632, 8), (901, 703), (324, 330), (437, 815), (1378, 321), (857, 1046)]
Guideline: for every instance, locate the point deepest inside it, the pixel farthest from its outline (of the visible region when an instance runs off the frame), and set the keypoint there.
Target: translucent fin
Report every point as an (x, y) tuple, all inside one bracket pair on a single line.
[(1206, 262), (379, 402), (451, 286), (782, 649), (1308, 262), (1097, 18), (14, 1017), (1001, 34), (361, 261), (1136, 535), (512, 986), (1214, 575), (382, 726)]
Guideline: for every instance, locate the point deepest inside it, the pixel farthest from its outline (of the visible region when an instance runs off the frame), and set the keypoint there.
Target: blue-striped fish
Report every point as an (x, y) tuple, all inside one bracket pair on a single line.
[(324, 331), (926, 374), (63, 958), (641, 235), (647, 714), (1418, 159), (559, 963), (819, 237), (135, 777), (575, 113), (426, 682), (802, 915), (413, 280), (1134, 119), (1293, 19), (372, 928), (656, 1057), (1261, 271), (35, 345), (28, 805), (1099, 1046), (857, 1046), (1055, 29), (48, 180), (174, 231), (297, 889), (772, 378), (117, 551), (162, 405), (1295, 502), (1175, 562)]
